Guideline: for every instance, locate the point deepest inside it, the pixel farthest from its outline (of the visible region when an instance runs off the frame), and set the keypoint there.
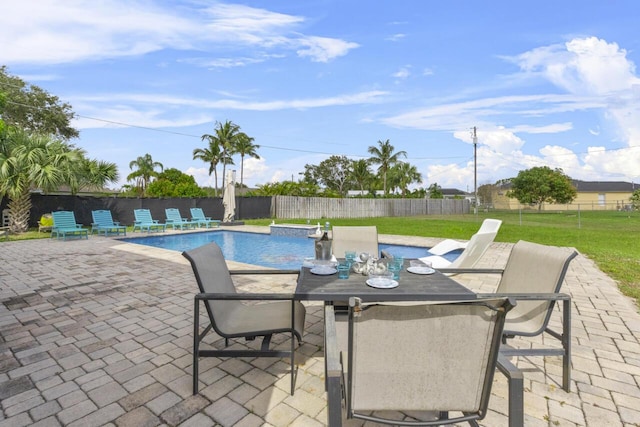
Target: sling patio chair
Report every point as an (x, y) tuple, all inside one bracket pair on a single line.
[(174, 219), (64, 224), (533, 276), (144, 221), (355, 238), (197, 216), (447, 245), (424, 360), (230, 318), (103, 223)]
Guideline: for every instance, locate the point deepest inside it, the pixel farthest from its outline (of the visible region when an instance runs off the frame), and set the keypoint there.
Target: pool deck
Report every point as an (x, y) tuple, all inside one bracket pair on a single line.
[(99, 332)]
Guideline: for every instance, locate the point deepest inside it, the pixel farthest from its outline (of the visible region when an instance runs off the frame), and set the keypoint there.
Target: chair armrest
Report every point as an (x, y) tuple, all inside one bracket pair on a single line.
[(471, 270), (244, 296), (529, 296), (249, 272), (116, 223), (93, 224)]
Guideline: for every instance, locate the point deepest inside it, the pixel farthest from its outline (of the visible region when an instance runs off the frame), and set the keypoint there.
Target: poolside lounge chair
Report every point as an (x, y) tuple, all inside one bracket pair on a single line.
[(533, 276), (230, 318), (144, 221), (476, 247), (103, 223), (197, 216), (174, 219), (488, 226), (399, 358), (355, 238), (64, 224)]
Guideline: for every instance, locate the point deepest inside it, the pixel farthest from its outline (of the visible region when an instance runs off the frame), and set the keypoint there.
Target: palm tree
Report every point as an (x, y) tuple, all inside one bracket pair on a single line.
[(94, 174), (385, 157), (35, 161), (146, 169), (212, 155), (221, 145), (245, 147), (404, 175), (360, 173)]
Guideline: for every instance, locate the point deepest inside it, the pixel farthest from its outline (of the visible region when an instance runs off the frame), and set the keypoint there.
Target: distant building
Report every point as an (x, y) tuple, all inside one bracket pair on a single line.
[(592, 195)]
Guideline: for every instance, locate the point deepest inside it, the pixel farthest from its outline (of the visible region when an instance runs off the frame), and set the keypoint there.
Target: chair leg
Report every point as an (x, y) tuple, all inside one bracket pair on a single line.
[(196, 339), (566, 345), (516, 390)]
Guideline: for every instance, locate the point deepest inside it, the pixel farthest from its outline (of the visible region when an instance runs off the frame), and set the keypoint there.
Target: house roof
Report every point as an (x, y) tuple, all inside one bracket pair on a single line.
[(598, 186), (605, 186)]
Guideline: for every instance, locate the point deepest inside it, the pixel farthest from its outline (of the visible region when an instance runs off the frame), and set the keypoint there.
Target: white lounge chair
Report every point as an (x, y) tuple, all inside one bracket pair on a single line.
[(476, 247), (488, 226)]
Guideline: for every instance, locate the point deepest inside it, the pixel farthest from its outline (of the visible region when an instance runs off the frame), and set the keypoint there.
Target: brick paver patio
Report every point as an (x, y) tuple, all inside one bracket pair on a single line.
[(98, 332)]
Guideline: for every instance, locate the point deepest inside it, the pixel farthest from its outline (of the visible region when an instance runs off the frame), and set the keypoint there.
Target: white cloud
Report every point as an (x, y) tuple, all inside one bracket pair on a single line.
[(396, 37), (30, 32), (324, 49), (403, 72)]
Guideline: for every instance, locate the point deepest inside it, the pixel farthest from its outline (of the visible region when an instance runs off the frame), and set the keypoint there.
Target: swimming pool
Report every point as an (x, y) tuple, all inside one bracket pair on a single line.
[(261, 249)]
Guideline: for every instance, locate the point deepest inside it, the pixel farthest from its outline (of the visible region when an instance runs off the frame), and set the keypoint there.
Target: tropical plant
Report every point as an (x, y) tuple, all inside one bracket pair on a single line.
[(405, 174), (220, 149), (360, 174), (435, 191), (542, 184), (174, 183), (93, 175), (29, 162), (244, 146), (145, 170), (33, 109), (385, 156), (286, 188)]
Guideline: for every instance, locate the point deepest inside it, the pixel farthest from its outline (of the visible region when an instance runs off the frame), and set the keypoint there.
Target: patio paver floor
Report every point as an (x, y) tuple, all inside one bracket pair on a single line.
[(98, 332)]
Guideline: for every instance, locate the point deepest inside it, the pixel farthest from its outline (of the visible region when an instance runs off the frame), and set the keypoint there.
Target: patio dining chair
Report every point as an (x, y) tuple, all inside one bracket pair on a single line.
[(355, 238), (231, 318), (533, 276), (423, 359)]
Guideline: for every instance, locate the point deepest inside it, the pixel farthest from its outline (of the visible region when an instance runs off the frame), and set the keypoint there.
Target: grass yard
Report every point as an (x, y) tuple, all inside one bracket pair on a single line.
[(610, 238)]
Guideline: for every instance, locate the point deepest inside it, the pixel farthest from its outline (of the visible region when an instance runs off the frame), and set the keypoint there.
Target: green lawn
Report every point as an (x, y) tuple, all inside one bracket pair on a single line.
[(611, 238)]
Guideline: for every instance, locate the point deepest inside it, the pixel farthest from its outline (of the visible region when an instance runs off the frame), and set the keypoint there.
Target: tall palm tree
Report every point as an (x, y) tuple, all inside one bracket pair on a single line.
[(384, 156), (212, 155), (224, 137), (405, 174), (245, 147), (29, 161), (146, 169), (94, 174)]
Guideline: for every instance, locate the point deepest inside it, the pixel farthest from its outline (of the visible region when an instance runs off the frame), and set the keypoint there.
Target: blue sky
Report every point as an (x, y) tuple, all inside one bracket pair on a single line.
[(546, 83)]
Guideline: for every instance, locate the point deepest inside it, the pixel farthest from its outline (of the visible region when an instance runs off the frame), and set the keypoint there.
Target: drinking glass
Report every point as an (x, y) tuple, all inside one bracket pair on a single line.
[(395, 269), (399, 261), (350, 256), (343, 270)]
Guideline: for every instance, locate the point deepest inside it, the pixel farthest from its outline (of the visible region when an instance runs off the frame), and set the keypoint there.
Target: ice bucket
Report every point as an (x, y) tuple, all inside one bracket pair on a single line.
[(323, 250)]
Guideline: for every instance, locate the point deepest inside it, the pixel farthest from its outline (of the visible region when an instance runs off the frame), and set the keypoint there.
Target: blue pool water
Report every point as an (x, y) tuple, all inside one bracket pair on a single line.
[(261, 249)]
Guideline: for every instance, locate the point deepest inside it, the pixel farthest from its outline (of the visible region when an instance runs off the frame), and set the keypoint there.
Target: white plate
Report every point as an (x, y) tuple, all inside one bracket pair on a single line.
[(421, 270), (382, 283), (323, 270)]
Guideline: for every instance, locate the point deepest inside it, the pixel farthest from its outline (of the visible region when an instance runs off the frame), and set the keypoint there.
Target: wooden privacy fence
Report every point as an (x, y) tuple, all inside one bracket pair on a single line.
[(289, 207)]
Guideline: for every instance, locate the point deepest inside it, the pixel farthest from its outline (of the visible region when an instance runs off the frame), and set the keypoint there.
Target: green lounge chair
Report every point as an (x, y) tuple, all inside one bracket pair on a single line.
[(64, 224), (144, 221), (103, 223), (197, 216), (175, 220)]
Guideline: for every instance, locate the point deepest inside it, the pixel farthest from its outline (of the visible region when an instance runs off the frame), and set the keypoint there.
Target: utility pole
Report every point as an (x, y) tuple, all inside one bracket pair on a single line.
[(475, 171)]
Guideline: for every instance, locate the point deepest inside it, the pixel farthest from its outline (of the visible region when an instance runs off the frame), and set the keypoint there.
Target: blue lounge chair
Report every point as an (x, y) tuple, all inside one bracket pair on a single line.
[(144, 221), (197, 216), (175, 220), (103, 223), (64, 224)]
